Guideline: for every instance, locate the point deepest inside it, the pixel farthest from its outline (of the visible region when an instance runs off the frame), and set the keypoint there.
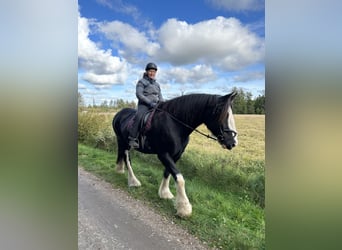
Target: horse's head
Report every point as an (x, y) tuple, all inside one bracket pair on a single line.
[(222, 124)]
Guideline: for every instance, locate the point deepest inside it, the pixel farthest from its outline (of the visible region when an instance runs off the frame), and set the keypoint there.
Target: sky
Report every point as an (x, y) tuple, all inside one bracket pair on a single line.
[(199, 46)]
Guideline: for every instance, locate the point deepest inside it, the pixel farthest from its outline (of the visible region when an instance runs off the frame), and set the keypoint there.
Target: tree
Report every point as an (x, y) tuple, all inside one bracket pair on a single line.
[(245, 104), (239, 105), (249, 103), (259, 105), (81, 103), (94, 103), (104, 104), (111, 104)]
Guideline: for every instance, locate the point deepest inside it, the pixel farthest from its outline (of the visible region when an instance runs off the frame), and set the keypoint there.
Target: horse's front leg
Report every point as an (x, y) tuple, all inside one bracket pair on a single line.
[(183, 206)]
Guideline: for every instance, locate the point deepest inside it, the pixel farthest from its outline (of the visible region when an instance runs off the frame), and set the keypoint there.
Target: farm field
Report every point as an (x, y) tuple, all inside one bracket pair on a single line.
[(225, 188)]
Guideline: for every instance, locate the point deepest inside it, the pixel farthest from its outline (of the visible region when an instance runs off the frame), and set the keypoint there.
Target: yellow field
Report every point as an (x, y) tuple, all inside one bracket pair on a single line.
[(251, 137)]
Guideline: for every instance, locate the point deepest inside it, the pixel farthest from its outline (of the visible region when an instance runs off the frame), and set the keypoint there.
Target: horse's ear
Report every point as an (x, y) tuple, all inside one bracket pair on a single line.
[(225, 98), (232, 95)]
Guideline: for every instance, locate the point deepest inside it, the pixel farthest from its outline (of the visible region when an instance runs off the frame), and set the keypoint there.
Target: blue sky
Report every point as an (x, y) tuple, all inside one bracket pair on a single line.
[(200, 46)]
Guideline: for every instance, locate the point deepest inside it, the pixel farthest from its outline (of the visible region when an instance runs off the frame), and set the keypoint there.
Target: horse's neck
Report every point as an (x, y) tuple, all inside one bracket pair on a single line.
[(192, 116)]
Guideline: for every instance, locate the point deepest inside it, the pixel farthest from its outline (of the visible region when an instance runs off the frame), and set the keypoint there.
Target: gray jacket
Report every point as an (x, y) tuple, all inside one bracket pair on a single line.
[(148, 91)]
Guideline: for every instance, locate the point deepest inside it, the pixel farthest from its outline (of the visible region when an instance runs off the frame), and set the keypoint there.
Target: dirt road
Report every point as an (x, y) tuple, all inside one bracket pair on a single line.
[(109, 219)]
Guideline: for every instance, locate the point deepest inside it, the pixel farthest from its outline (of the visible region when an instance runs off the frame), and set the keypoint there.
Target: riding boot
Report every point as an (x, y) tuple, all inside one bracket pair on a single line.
[(133, 141)]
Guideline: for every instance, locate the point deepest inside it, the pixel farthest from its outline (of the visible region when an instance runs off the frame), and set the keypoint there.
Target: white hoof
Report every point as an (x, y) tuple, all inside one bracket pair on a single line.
[(184, 209), (165, 194), (120, 168), (134, 182)]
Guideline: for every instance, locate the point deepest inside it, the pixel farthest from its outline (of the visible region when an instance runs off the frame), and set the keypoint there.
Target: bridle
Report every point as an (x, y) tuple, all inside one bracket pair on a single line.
[(219, 137)]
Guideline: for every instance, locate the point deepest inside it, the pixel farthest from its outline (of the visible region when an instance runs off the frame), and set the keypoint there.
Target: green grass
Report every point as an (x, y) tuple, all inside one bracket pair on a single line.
[(226, 189)]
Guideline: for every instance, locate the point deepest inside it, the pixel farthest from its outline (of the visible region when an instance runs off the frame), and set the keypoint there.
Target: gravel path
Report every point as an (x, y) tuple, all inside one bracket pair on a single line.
[(109, 218)]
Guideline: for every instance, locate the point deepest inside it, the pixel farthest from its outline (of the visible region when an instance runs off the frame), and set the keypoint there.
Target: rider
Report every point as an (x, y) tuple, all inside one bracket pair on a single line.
[(149, 95)]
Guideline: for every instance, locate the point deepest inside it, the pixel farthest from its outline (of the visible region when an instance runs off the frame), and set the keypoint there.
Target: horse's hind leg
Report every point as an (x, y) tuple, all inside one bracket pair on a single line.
[(120, 162), (164, 189), (132, 180)]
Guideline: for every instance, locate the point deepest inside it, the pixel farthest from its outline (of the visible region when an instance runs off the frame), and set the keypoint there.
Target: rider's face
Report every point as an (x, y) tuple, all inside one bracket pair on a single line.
[(151, 73)]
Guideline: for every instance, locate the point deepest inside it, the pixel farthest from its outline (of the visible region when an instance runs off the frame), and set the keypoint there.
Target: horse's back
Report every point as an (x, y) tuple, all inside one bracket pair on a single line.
[(121, 118), (124, 113)]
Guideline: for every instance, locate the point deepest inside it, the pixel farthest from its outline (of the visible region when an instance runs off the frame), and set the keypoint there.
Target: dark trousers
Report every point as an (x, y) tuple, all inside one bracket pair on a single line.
[(142, 109)]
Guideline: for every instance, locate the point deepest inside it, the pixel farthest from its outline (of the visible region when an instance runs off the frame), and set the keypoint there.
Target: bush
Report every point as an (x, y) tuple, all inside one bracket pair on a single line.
[(95, 130)]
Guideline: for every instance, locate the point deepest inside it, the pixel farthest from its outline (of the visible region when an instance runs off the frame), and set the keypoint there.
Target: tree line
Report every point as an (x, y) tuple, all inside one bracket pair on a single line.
[(244, 103), (105, 105)]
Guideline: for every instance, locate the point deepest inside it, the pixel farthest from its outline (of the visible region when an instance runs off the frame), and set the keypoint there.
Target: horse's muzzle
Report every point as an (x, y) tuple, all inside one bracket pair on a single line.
[(229, 146)]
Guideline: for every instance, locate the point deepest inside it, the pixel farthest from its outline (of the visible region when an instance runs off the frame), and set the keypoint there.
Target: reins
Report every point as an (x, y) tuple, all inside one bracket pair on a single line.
[(186, 125)]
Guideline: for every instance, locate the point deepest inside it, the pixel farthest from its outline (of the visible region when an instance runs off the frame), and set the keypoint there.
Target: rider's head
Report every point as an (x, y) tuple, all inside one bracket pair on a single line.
[(151, 70), (150, 66)]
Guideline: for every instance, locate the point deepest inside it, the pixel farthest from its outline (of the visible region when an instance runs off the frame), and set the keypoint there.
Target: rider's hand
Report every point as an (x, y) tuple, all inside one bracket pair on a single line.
[(153, 105)]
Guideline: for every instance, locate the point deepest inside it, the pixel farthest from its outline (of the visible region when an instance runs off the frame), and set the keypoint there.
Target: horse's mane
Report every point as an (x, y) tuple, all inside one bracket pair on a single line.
[(190, 107)]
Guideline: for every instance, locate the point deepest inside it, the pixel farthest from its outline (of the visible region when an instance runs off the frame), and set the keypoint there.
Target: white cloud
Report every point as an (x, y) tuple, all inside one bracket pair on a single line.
[(102, 79), (249, 76), (133, 42), (223, 42), (239, 5), (120, 6), (102, 68), (196, 74), (81, 86)]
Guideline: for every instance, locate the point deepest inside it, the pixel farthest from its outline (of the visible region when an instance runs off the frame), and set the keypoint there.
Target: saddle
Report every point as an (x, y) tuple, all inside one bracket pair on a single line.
[(146, 122), (144, 126)]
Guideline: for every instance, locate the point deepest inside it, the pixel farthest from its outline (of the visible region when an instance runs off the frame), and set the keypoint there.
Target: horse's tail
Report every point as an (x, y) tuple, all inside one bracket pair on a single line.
[(115, 122)]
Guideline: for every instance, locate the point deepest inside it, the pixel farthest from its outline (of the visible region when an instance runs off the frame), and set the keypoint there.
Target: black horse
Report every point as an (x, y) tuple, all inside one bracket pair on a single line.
[(168, 135)]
